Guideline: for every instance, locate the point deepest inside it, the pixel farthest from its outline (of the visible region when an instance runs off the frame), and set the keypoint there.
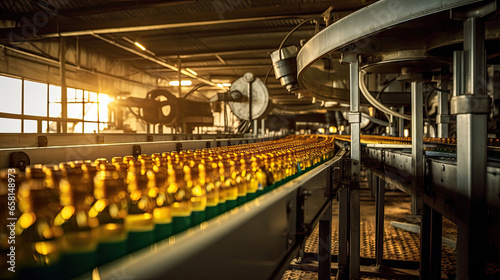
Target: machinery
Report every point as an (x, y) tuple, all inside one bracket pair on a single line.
[(162, 107)]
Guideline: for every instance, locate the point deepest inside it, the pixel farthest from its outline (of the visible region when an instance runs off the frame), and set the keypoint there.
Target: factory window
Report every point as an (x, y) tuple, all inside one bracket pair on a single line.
[(11, 103), (29, 107)]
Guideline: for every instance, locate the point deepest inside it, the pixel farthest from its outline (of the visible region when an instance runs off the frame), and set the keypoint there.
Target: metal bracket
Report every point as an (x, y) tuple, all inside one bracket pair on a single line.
[(19, 160), (478, 11), (470, 104), (354, 117), (42, 141), (346, 169), (346, 58)]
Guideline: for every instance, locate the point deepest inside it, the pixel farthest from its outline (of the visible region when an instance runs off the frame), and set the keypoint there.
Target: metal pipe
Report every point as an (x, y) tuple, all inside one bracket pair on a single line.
[(375, 102), (155, 60)]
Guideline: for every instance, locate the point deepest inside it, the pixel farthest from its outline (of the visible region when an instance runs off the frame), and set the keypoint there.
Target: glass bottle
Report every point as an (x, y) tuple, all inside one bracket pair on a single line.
[(38, 239), (110, 209), (139, 221), (162, 212), (180, 191), (229, 185), (259, 174), (209, 174), (198, 194), (79, 242), (252, 185)]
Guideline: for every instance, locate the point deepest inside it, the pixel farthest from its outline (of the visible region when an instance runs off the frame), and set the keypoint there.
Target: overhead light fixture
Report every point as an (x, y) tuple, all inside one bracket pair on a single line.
[(224, 84), (406, 132), (332, 129), (342, 127), (183, 83), (140, 46), (192, 71)]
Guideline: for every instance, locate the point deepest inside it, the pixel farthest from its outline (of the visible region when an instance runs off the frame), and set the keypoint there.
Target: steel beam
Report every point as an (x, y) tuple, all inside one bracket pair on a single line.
[(325, 245), (436, 244), (354, 203), (472, 224), (417, 132), (379, 231), (155, 60), (180, 20), (64, 90), (430, 244), (343, 261), (425, 241)]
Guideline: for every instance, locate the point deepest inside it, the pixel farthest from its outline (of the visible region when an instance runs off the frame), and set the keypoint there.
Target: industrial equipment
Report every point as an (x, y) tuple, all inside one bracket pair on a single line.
[(249, 98), (162, 107)]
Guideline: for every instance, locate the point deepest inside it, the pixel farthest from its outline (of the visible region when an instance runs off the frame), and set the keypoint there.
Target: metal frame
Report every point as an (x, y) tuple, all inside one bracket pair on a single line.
[(56, 154)]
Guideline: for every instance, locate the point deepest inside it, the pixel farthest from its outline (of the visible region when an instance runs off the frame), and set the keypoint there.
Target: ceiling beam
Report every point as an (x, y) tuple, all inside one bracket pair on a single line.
[(267, 30), (122, 6), (79, 28)]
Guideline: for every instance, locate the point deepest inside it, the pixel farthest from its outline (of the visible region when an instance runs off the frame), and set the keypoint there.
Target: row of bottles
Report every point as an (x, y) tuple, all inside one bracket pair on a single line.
[(377, 139), (77, 215)]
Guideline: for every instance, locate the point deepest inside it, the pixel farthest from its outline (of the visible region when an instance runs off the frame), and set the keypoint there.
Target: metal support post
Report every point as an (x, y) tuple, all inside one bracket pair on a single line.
[(263, 126), (354, 203), (325, 245), (436, 244), (472, 107), (372, 184), (401, 123), (64, 90), (425, 242), (343, 262), (379, 231), (255, 127), (179, 77), (443, 114), (417, 131), (430, 243)]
